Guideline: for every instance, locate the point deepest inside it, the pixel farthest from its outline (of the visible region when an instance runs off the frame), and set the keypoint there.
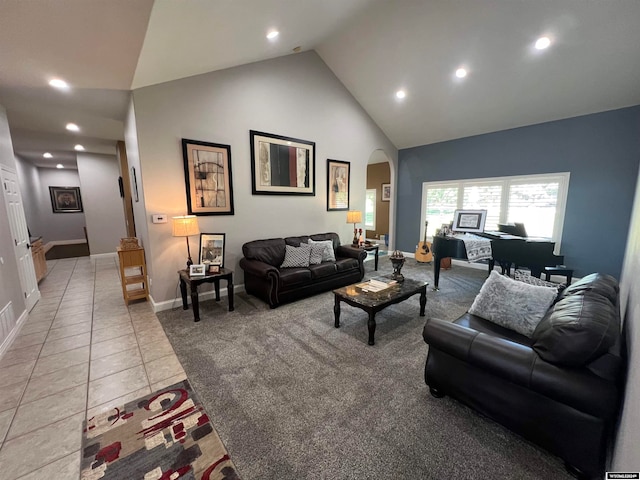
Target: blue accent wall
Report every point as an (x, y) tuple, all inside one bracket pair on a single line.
[(601, 151)]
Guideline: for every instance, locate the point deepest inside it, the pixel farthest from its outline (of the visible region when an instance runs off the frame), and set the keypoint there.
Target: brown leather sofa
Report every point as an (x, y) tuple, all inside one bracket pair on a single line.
[(560, 389), (264, 278)]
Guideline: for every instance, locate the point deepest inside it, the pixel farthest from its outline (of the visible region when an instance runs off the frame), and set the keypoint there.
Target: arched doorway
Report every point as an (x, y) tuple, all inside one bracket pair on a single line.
[(380, 199)]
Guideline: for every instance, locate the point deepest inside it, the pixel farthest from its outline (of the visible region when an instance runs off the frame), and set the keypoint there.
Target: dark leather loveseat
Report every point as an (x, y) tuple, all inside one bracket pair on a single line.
[(561, 388), (264, 278)]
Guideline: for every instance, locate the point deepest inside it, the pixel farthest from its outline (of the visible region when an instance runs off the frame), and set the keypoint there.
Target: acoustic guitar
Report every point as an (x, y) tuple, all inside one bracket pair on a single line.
[(423, 252)]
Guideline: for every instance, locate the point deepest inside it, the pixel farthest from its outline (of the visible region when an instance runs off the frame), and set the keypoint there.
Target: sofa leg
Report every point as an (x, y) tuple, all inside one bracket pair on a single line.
[(575, 472), (435, 392)]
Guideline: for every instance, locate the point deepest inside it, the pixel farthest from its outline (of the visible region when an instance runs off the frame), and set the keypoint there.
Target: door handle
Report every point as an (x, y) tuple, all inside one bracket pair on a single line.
[(28, 246)]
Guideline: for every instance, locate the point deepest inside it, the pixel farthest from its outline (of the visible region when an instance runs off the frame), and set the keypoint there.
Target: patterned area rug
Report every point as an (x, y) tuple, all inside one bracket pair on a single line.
[(166, 435)]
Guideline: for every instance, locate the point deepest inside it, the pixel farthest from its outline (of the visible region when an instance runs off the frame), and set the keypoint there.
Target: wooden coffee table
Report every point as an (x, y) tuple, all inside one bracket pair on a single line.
[(373, 302)]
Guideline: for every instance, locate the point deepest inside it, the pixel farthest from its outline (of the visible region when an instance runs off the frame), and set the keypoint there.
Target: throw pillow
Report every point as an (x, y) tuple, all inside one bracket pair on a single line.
[(511, 304), (296, 256), (525, 277), (317, 250), (327, 254)]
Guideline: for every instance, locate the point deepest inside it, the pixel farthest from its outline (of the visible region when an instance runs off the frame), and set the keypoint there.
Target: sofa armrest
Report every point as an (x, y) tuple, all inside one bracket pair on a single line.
[(521, 365), (351, 252), (258, 268)]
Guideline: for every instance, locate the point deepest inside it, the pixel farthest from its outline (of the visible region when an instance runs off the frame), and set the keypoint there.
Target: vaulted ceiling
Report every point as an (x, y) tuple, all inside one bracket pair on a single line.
[(105, 48)]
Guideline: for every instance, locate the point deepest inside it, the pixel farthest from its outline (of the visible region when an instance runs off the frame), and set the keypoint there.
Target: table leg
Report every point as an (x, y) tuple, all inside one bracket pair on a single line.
[(376, 258), (230, 294), (194, 303), (423, 300), (216, 286), (372, 327), (336, 311), (183, 292), (436, 271)]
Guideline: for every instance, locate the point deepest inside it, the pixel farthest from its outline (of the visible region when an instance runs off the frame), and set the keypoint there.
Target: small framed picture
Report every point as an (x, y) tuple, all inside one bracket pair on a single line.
[(214, 269), (386, 192), (196, 270), (212, 249)]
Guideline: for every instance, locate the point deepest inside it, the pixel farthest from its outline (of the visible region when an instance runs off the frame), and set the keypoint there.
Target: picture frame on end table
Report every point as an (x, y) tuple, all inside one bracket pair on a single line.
[(282, 165), (65, 199), (208, 179), (196, 270), (212, 249), (386, 192), (338, 184)]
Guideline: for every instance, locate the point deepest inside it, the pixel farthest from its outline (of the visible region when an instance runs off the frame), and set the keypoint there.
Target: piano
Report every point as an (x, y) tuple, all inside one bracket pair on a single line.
[(507, 250)]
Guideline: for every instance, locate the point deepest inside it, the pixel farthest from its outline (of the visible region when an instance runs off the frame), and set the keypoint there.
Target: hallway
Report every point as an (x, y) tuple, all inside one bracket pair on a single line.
[(80, 352)]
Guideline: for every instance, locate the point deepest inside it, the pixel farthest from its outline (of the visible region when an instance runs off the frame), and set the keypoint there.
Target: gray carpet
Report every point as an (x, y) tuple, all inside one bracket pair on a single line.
[(292, 397)]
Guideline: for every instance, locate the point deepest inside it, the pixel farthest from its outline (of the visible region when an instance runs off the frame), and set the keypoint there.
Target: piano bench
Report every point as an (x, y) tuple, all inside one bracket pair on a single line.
[(558, 270)]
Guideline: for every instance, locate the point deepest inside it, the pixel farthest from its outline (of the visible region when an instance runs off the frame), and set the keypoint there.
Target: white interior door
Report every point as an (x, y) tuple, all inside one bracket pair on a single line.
[(20, 234)]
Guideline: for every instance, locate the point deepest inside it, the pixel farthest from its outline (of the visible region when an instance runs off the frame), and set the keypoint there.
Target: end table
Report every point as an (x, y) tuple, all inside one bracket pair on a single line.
[(193, 282)]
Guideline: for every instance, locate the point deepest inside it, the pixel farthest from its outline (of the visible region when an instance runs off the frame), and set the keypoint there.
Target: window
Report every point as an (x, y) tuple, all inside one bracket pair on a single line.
[(538, 201), (370, 209)]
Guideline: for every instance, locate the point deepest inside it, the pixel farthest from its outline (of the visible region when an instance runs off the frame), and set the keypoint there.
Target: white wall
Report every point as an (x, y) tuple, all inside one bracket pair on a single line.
[(10, 288), (102, 203), (58, 226), (627, 450), (296, 96), (29, 179)]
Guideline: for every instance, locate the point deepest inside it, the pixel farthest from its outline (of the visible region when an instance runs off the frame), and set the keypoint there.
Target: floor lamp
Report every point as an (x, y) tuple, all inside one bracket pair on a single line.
[(186, 226), (354, 216)]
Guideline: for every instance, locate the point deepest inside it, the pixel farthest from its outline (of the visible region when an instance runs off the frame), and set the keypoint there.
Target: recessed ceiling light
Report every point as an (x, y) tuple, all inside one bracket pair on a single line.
[(461, 73), (400, 94), (73, 127), (272, 34), (79, 148), (59, 165), (542, 43), (47, 155), (59, 83)]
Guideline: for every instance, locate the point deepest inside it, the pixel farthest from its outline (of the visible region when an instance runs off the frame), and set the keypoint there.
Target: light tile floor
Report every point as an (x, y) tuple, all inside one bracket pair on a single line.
[(80, 352)]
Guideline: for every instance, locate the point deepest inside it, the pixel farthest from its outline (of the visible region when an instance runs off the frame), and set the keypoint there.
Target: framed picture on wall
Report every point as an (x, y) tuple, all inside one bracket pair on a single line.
[(65, 199), (212, 249), (386, 192), (338, 178), (282, 165), (207, 173)]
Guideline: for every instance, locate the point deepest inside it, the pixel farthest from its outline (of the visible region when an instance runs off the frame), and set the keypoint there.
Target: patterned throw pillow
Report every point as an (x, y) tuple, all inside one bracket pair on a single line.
[(317, 249), (296, 256), (511, 304), (525, 277), (327, 254)]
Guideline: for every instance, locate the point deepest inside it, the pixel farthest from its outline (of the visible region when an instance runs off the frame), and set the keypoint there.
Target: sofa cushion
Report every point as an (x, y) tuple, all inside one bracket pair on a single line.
[(328, 254), (597, 283), (512, 304), (323, 270), (296, 256), (269, 251), (290, 277), (577, 330)]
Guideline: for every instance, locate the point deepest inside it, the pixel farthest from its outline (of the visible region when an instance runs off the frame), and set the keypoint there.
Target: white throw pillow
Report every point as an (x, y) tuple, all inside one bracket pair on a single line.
[(327, 255), (514, 305), (317, 250), (296, 256)]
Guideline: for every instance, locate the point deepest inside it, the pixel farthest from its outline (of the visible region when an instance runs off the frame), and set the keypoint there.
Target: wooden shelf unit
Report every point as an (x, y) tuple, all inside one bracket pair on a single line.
[(133, 271), (39, 261)]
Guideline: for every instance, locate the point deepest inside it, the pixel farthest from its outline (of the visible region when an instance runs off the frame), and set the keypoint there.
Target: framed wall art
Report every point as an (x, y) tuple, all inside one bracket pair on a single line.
[(282, 165), (212, 249), (386, 192), (338, 179), (207, 173), (65, 199)]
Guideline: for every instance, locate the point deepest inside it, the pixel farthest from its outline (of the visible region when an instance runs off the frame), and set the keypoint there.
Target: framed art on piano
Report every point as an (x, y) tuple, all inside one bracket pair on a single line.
[(471, 221)]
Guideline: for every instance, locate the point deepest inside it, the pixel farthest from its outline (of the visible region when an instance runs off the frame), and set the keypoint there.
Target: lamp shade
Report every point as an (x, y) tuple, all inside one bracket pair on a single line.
[(354, 216), (185, 226)]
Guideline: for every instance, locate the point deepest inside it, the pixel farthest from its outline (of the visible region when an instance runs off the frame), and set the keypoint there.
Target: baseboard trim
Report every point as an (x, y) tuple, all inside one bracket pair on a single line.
[(14, 333), (202, 296)]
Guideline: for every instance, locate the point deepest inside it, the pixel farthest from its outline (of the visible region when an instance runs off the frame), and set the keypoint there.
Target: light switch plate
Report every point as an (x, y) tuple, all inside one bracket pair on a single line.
[(159, 218)]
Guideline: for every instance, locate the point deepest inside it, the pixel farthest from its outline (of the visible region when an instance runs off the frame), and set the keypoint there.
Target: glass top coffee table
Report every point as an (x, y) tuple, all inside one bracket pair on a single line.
[(373, 302)]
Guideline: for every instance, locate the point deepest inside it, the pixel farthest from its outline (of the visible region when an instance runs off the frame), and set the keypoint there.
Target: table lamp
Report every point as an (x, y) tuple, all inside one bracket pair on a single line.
[(185, 226), (354, 216)]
